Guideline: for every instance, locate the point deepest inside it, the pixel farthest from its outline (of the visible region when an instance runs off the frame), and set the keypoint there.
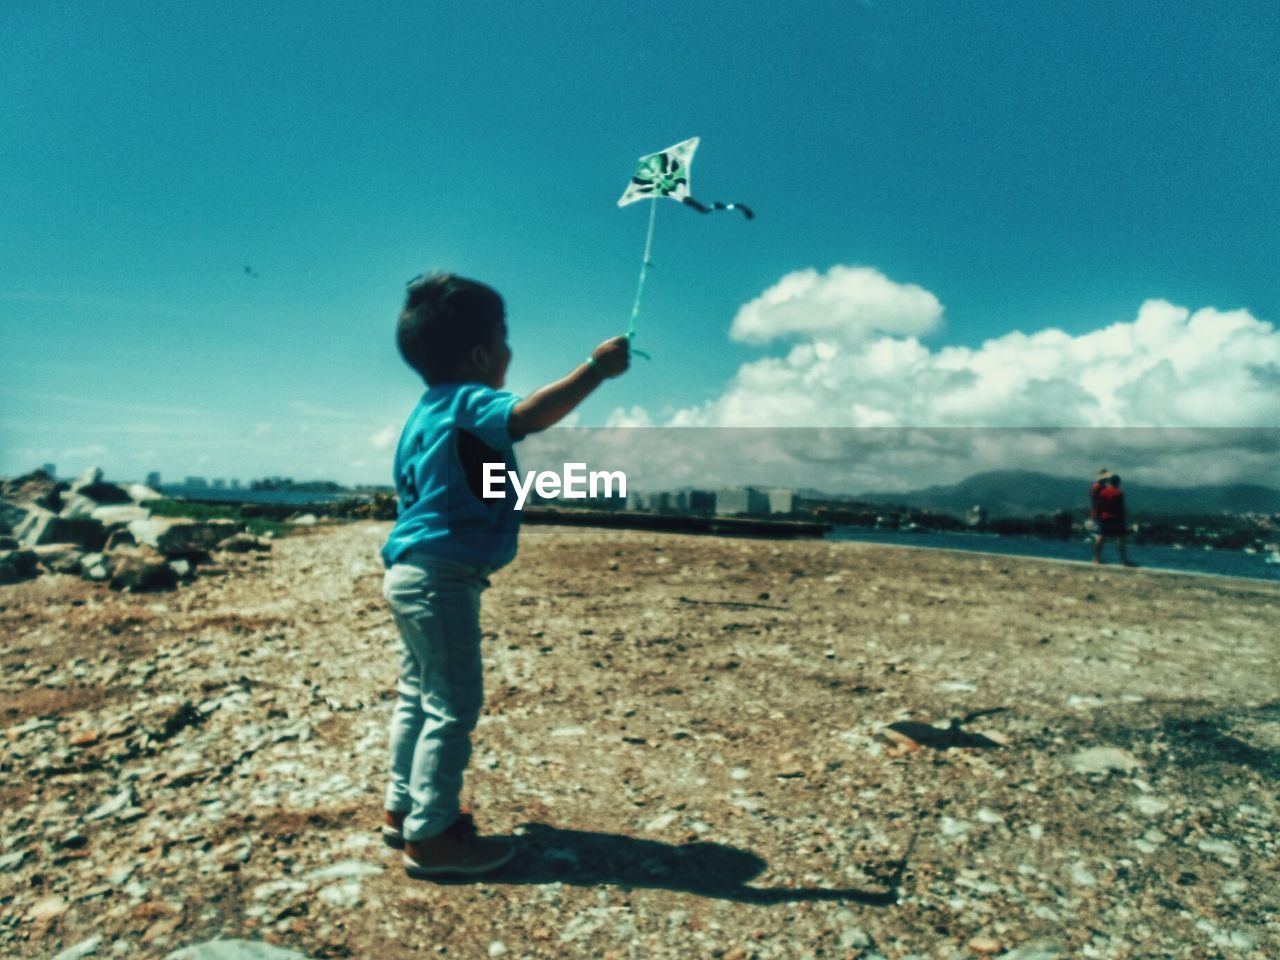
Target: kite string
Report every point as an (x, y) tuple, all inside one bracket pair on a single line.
[(644, 271)]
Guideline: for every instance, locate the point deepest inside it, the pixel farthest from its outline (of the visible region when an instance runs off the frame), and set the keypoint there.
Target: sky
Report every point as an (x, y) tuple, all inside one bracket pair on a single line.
[(986, 215)]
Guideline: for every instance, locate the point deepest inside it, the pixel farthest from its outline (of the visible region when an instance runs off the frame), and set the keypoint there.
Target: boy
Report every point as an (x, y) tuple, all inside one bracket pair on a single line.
[(445, 543)]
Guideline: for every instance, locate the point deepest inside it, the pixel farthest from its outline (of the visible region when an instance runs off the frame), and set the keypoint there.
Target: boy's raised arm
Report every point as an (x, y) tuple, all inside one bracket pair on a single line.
[(549, 405)]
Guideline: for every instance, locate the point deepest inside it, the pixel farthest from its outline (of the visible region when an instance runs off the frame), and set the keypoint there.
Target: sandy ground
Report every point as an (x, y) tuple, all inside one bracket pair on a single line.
[(691, 736)]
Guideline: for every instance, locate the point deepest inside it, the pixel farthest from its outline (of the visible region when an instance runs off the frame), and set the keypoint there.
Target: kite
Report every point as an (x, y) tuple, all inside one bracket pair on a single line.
[(665, 174)]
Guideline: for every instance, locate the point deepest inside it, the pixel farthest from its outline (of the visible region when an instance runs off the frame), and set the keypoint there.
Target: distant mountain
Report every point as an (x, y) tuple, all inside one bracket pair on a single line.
[(1024, 493)]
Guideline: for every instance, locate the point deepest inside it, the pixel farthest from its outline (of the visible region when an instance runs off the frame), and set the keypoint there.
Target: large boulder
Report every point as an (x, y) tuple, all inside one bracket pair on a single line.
[(140, 568), (16, 565), (244, 543), (11, 514), (36, 487), (141, 493), (176, 537), (59, 557), (95, 566), (118, 515), (45, 526), (91, 486)]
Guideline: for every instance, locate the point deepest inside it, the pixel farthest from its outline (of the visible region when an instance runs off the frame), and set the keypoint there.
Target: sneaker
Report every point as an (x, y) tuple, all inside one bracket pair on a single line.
[(456, 851), (393, 829)]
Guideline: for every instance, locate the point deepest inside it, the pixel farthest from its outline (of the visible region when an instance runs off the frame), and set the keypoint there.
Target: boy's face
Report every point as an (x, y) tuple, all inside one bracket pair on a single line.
[(496, 357)]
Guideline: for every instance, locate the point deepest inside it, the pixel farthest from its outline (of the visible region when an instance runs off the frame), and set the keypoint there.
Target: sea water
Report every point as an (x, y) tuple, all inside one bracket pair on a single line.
[(1226, 563)]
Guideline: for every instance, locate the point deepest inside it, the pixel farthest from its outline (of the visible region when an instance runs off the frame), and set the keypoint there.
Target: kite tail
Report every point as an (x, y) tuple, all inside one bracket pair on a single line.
[(703, 208)]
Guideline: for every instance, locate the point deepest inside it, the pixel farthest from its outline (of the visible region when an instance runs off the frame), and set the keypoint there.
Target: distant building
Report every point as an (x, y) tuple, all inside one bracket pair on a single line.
[(50, 469), (153, 479), (782, 501), (219, 483), (976, 516), (197, 482), (660, 502), (741, 500), (235, 483), (700, 501)]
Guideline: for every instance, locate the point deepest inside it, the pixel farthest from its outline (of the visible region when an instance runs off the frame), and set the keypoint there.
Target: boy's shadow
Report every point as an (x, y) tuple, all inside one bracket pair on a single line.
[(547, 854)]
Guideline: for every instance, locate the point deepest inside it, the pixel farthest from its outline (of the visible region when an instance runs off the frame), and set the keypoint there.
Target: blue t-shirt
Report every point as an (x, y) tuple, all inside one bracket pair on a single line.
[(453, 431)]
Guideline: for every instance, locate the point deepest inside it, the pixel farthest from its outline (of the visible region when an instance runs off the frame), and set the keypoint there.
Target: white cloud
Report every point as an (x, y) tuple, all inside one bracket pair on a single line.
[(385, 438), (1181, 374), (633, 417), (846, 304), (1169, 367)]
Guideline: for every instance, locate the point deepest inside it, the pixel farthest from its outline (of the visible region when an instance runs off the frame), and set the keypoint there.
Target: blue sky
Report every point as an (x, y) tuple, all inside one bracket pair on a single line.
[(1050, 170)]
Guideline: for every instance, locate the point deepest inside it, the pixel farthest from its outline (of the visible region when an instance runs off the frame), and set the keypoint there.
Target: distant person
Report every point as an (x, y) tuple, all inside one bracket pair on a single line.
[(446, 541), (1107, 511), (1103, 475)]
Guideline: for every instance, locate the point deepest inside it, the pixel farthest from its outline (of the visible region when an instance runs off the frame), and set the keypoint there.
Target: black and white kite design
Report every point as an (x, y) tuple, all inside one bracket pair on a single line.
[(665, 174)]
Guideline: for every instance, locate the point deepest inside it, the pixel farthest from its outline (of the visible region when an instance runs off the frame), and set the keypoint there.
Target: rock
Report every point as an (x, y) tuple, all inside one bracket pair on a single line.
[(90, 476), (85, 948), (74, 840), (36, 487), (140, 493), (139, 569), (234, 950), (120, 801), (119, 514), (306, 520), (59, 557), (44, 526), (47, 910), (119, 537), (984, 946), (17, 565), (177, 537), (1103, 760), (78, 506), (91, 486), (244, 543), (182, 568), (84, 738), (94, 566), (1150, 806), (1039, 950), (12, 861), (346, 870), (11, 515), (342, 895)]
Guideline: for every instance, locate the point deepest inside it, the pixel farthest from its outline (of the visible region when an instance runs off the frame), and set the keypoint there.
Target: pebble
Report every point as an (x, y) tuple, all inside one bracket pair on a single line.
[(346, 870), (1103, 760), (1150, 806), (120, 801), (50, 908), (234, 950), (85, 948)]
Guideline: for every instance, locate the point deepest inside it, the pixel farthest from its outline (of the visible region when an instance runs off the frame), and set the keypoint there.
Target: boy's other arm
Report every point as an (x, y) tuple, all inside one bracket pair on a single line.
[(549, 405)]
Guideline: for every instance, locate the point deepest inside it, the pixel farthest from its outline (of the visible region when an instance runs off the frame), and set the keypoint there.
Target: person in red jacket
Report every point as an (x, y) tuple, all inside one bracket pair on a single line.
[(1107, 509)]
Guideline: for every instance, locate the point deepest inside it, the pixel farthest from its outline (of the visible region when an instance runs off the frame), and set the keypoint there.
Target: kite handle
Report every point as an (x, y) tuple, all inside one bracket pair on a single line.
[(631, 335)]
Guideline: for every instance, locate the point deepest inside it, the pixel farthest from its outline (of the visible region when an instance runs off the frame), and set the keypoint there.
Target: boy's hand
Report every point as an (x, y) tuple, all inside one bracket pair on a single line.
[(613, 357)]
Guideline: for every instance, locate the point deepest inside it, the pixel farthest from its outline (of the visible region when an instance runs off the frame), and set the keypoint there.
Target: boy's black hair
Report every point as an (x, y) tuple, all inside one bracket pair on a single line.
[(444, 317)]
